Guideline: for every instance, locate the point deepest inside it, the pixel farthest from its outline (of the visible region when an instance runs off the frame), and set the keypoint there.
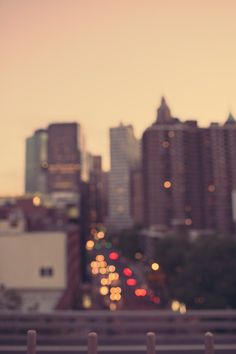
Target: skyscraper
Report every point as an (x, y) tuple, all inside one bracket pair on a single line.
[(171, 172), (56, 160), (125, 156), (63, 158), (36, 162), (189, 174), (95, 190), (218, 144), (64, 162)]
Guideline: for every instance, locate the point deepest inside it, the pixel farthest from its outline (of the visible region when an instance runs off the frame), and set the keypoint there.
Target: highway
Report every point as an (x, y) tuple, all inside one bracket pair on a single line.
[(129, 281)]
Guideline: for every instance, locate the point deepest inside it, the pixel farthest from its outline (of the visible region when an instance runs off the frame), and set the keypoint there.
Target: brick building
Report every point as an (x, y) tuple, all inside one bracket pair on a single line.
[(189, 174)]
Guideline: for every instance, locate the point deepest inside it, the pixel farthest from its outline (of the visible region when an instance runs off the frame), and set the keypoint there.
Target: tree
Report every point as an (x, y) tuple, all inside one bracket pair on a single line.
[(208, 279), (9, 299), (202, 274)]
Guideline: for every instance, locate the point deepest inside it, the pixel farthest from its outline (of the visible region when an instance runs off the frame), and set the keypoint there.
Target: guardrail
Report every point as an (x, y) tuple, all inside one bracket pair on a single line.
[(119, 327), (92, 346)]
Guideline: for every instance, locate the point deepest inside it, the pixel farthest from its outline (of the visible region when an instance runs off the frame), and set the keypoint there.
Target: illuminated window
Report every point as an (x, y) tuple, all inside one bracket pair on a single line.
[(171, 134), (120, 209), (120, 190), (188, 222), (167, 184), (165, 144), (188, 208), (211, 188)]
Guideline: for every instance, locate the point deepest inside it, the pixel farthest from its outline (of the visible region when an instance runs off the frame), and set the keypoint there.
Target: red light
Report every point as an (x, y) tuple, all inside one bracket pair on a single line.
[(131, 282), (128, 272), (156, 300), (140, 292), (113, 256)]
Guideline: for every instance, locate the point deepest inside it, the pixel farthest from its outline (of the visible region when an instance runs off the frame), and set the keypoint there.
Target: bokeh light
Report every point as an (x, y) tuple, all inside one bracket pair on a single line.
[(131, 282), (114, 256), (127, 271), (141, 292), (89, 245), (155, 266), (104, 290)]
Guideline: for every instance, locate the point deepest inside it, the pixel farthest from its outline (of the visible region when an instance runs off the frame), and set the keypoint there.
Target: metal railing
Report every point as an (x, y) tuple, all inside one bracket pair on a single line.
[(92, 344), (124, 327), (119, 332)]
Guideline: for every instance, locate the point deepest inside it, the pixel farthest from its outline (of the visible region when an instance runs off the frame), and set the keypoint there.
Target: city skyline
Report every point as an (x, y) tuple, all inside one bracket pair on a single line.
[(99, 64)]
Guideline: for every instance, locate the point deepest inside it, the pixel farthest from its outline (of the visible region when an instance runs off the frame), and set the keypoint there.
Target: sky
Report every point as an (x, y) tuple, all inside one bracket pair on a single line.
[(102, 62)]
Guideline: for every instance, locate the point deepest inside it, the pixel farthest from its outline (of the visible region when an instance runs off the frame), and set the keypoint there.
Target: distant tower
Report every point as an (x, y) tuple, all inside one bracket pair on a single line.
[(36, 162), (163, 113), (63, 161), (125, 155)]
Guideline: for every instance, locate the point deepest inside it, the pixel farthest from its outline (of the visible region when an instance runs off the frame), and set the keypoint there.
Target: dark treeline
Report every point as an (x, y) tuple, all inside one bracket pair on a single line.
[(201, 273)]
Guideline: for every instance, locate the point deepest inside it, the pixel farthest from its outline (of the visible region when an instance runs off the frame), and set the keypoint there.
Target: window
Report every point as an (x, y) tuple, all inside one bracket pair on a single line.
[(120, 209), (171, 134), (211, 188), (188, 222), (46, 271), (165, 144)]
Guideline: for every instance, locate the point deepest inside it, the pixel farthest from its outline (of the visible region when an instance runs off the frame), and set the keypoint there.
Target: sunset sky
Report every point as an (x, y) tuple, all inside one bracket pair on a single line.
[(100, 62)]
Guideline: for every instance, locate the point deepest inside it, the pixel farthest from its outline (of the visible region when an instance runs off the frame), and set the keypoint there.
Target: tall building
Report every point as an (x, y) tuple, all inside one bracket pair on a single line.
[(95, 190), (63, 160), (171, 172), (219, 172), (230, 133), (189, 174), (36, 162), (56, 161), (125, 156)]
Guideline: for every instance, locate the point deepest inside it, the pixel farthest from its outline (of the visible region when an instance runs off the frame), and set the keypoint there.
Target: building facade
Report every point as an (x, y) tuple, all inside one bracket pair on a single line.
[(95, 190), (63, 161), (171, 172), (189, 174), (36, 162), (45, 271), (56, 162), (218, 144), (125, 157)]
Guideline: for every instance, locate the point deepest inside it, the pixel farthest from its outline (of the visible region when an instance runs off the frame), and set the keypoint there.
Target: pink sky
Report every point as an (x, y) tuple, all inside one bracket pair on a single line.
[(100, 62)]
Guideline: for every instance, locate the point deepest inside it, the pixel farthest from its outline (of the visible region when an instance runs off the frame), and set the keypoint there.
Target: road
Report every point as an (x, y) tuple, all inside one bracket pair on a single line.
[(129, 299)]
